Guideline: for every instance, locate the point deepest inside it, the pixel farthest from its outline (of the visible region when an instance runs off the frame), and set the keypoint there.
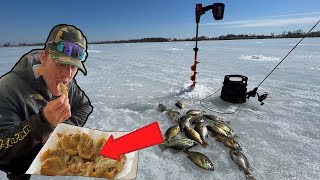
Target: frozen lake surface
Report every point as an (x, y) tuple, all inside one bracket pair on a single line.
[(126, 82)]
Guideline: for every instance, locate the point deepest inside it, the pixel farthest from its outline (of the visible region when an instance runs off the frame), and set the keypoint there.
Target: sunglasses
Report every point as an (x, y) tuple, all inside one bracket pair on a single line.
[(69, 49)]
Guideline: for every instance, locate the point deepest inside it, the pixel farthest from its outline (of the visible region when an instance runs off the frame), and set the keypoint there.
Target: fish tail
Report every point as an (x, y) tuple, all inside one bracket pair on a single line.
[(167, 139), (249, 177), (213, 134), (163, 146), (178, 151)]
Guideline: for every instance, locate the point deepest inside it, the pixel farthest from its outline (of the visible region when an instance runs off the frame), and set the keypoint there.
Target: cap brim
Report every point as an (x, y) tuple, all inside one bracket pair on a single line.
[(62, 59)]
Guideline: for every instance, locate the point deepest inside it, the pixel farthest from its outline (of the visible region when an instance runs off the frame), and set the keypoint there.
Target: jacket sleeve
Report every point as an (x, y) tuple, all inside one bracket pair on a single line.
[(80, 104), (18, 135)]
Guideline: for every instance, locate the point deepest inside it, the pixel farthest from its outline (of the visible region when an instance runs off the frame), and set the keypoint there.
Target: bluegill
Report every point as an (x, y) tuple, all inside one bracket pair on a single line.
[(175, 115), (161, 107), (218, 131), (241, 160), (172, 132), (231, 143), (202, 130), (197, 119), (215, 118), (184, 122), (180, 104), (200, 160), (179, 144), (194, 135), (194, 112)]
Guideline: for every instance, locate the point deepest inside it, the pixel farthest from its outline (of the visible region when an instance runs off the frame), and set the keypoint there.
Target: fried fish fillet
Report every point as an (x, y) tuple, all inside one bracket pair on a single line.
[(62, 88), (74, 163), (54, 166), (108, 168), (85, 147), (65, 157), (86, 169), (98, 146), (70, 142)]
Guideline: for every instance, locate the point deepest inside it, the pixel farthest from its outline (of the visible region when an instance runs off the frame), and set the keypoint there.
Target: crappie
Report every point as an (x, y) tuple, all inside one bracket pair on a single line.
[(175, 115), (161, 107), (180, 104), (184, 122), (179, 144), (194, 135), (200, 160)]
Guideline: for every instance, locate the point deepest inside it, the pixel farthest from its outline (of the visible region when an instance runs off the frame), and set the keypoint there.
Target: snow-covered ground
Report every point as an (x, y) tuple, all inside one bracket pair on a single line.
[(126, 82)]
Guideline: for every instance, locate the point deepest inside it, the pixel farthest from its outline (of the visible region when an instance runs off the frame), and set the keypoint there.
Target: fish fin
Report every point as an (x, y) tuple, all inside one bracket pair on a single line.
[(251, 169), (177, 151), (204, 144), (236, 136), (228, 122), (163, 146), (186, 151), (213, 134)]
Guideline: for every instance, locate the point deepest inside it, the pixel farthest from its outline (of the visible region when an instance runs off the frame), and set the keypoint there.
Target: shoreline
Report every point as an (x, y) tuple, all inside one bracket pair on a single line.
[(151, 40)]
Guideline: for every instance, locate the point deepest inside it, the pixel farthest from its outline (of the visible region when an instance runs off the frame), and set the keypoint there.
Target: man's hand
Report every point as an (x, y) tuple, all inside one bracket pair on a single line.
[(58, 110)]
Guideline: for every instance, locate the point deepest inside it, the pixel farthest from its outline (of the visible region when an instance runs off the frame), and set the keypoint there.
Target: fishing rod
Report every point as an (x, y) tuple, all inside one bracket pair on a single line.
[(262, 97), (235, 91)]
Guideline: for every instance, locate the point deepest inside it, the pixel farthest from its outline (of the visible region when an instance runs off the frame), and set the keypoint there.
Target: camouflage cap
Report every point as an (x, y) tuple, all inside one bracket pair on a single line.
[(67, 33)]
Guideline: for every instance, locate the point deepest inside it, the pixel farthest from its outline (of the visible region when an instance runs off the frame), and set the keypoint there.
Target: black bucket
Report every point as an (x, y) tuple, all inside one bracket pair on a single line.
[(234, 89)]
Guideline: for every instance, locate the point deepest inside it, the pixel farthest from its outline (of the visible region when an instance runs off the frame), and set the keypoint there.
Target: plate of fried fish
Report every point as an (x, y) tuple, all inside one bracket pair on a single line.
[(75, 151)]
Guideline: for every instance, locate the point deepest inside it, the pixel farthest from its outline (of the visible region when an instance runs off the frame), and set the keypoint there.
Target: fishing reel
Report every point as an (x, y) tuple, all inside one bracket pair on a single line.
[(254, 92), (234, 90)]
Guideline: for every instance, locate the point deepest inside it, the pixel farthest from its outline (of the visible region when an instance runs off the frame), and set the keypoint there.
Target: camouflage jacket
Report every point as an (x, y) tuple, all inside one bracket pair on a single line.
[(22, 127)]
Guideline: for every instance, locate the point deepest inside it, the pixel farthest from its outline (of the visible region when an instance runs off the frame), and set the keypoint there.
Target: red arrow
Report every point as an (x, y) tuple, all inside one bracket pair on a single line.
[(141, 138)]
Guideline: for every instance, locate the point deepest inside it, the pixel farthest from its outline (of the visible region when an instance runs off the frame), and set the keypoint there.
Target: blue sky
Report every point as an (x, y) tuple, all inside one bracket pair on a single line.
[(31, 21)]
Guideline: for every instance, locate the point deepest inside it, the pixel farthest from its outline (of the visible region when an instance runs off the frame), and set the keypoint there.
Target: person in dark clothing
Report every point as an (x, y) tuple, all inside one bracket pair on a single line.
[(31, 106)]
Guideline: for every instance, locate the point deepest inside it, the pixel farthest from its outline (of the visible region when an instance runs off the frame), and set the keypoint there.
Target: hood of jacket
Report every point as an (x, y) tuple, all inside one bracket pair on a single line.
[(24, 69)]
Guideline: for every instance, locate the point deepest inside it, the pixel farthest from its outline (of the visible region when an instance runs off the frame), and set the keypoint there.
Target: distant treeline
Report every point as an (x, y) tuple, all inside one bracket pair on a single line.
[(294, 34)]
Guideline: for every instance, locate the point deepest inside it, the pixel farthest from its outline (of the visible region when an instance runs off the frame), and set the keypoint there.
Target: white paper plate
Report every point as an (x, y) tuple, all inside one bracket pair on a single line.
[(129, 171)]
